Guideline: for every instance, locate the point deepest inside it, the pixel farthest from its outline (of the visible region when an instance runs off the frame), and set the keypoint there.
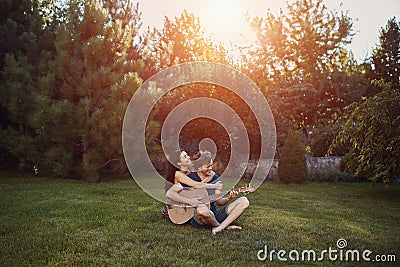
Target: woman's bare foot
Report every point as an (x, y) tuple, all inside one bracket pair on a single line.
[(234, 228)]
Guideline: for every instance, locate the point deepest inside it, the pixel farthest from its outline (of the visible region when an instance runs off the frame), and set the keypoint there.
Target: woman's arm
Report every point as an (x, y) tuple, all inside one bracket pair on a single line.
[(173, 194), (182, 178), (209, 177)]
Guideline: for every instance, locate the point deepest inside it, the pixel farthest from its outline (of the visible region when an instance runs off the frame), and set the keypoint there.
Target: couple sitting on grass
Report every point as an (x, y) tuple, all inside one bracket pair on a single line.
[(205, 216)]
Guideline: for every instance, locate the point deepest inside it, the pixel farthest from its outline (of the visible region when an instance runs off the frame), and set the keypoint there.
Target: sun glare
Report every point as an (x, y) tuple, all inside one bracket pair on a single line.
[(225, 19)]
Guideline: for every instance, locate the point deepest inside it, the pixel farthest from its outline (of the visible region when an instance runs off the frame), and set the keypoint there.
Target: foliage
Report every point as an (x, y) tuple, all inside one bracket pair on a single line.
[(322, 137), (23, 30), (305, 48), (182, 40), (372, 126), (373, 130), (301, 45), (385, 61), (290, 106), (69, 69), (292, 166), (26, 49), (94, 82), (386, 56)]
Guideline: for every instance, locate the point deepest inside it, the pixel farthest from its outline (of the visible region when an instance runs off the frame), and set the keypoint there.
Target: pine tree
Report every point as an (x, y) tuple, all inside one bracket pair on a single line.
[(26, 48), (292, 166), (386, 56), (82, 117)]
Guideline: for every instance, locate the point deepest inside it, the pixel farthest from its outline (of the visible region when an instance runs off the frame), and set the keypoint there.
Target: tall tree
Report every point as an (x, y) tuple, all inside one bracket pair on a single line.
[(296, 56), (370, 130), (299, 46), (26, 42), (386, 56), (82, 117), (181, 40)]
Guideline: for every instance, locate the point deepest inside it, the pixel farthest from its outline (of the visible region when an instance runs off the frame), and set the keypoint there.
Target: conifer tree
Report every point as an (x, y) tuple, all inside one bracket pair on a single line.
[(292, 166), (26, 49), (386, 56), (80, 121)]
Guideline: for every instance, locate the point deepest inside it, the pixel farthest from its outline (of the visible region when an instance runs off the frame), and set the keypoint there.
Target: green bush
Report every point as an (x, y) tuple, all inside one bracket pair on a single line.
[(292, 166), (373, 130)]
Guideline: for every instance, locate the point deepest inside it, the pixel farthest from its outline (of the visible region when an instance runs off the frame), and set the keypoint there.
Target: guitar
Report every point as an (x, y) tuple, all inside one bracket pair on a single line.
[(180, 213)]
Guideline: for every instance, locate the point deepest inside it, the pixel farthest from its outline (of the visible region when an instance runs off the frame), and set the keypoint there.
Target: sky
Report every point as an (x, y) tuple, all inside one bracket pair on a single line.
[(224, 20)]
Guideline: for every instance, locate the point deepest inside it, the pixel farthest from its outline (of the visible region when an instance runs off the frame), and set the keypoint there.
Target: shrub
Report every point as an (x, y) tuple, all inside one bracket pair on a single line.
[(373, 131), (292, 166)]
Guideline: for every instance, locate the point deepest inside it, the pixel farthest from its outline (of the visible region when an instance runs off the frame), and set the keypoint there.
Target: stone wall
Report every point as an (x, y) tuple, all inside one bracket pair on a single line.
[(323, 163), (313, 163)]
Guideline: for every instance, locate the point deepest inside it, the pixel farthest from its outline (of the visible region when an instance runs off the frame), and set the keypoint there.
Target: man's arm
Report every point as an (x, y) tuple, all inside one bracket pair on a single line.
[(227, 198)]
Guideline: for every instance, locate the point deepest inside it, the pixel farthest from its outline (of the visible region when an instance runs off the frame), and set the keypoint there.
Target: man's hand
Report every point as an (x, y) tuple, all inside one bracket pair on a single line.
[(233, 194)]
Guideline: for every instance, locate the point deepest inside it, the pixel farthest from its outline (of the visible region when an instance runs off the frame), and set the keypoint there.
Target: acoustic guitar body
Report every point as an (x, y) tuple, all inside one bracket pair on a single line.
[(179, 213)]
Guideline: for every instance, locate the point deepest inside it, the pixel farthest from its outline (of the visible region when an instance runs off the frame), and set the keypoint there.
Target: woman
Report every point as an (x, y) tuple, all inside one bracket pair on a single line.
[(177, 178)]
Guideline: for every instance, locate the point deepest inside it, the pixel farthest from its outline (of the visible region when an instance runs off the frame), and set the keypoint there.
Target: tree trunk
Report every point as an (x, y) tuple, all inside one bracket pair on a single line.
[(21, 163), (85, 156), (88, 173)]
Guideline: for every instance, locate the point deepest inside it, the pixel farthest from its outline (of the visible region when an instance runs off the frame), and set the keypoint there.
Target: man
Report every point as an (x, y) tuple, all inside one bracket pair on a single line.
[(216, 219)]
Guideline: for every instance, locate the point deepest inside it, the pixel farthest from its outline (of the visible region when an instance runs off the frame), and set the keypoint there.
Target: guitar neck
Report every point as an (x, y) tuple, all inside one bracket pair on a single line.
[(213, 197)]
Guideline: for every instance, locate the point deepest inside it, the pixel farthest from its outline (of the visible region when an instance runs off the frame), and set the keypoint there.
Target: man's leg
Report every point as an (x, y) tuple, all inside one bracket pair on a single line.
[(205, 216), (234, 210)]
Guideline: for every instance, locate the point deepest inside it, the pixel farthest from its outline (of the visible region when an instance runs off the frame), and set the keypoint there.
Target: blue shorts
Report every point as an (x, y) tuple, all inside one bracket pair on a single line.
[(220, 216)]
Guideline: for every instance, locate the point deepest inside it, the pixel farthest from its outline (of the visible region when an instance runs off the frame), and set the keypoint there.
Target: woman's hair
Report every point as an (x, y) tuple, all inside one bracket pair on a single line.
[(174, 157)]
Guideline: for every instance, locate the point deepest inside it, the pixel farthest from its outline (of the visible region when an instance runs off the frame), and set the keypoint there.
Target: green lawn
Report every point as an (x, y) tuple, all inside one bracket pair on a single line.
[(49, 222)]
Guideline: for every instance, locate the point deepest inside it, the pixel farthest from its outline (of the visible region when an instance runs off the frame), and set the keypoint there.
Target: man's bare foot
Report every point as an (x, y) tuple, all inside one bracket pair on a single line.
[(215, 230), (234, 228)]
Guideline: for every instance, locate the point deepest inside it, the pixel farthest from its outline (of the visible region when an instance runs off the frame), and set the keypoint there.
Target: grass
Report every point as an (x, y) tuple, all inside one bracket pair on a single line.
[(53, 222)]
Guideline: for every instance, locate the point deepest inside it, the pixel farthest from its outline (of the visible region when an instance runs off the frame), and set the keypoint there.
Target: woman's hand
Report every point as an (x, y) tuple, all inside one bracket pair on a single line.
[(218, 185), (209, 177), (194, 202)]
